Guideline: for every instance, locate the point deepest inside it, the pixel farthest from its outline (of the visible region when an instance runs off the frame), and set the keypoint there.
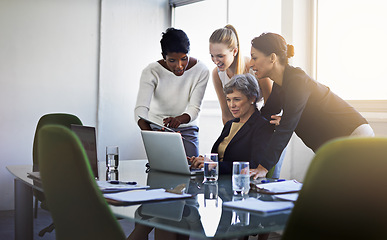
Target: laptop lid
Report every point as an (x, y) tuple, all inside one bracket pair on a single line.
[(88, 138), (165, 152)]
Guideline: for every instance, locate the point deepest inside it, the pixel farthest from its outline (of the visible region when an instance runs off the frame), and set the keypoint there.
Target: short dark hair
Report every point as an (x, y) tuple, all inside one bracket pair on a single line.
[(246, 83), (174, 40)]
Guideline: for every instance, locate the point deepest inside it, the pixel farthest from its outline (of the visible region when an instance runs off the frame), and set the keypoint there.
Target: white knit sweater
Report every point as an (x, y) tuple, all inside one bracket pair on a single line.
[(162, 94)]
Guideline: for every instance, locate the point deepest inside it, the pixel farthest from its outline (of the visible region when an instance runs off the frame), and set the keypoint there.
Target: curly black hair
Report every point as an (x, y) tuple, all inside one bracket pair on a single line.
[(174, 40)]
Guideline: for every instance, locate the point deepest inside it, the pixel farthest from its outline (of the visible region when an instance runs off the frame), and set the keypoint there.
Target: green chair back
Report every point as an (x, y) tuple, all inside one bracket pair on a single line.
[(63, 119), (76, 204), (344, 194)]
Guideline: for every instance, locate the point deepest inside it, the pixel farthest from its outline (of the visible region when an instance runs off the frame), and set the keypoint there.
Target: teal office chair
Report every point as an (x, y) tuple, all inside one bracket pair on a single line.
[(76, 204), (52, 118), (344, 195)]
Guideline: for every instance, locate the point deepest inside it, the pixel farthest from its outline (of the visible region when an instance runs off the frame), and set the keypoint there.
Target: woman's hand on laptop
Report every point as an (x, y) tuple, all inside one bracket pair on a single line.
[(197, 162)]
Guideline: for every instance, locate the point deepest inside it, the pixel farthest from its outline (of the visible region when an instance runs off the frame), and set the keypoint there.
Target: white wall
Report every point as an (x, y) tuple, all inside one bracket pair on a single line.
[(130, 40), (49, 62)]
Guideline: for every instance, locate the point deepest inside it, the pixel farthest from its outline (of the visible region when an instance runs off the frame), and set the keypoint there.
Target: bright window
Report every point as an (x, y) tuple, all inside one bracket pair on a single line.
[(352, 48)]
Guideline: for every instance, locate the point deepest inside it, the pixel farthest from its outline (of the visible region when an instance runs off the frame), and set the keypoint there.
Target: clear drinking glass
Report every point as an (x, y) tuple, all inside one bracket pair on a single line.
[(111, 174), (241, 177), (211, 168), (112, 153)]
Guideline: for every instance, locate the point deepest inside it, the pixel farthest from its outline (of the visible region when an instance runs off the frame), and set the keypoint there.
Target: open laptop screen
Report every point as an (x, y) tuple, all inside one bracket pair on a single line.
[(88, 138)]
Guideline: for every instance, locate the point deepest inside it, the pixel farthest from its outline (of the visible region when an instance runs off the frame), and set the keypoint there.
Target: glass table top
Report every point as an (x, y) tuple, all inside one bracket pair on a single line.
[(201, 216)]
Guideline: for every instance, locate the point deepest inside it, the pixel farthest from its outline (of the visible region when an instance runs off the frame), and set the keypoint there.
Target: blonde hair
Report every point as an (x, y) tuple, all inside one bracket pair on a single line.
[(229, 37)]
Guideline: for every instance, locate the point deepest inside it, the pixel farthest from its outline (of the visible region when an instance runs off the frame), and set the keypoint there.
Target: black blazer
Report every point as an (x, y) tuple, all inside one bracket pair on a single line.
[(248, 144), (311, 110)]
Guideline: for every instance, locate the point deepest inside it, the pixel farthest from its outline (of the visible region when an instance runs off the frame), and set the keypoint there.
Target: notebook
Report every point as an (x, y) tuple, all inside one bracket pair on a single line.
[(165, 152), (156, 125), (88, 138)]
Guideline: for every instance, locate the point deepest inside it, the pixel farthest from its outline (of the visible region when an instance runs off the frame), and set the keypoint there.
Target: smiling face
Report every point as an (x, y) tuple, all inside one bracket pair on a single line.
[(177, 62), (260, 63), (240, 106), (222, 56)]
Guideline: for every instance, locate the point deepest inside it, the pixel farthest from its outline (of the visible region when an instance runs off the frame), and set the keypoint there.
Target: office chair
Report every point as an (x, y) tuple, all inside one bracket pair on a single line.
[(52, 118), (344, 194), (76, 204)]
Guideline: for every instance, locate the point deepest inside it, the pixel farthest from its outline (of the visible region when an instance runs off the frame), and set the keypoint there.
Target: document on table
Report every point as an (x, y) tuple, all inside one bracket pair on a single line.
[(283, 186), (137, 197), (256, 205), (107, 187)]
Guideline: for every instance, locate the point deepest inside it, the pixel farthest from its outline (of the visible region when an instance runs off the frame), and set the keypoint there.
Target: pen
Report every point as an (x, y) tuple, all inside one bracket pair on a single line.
[(120, 182), (272, 180)]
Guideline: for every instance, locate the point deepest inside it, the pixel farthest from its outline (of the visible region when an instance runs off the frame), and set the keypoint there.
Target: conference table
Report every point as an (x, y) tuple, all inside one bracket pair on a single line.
[(202, 216)]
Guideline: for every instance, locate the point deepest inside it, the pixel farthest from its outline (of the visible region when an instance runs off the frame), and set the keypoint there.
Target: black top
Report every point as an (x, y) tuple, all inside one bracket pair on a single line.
[(311, 110), (248, 144)]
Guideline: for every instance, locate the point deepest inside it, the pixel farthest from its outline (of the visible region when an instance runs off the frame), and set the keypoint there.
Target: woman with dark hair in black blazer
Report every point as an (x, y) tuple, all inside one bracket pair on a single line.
[(310, 109), (245, 137)]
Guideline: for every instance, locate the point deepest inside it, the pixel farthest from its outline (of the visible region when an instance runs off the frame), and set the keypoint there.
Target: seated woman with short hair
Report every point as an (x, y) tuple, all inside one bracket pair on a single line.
[(245, 137)]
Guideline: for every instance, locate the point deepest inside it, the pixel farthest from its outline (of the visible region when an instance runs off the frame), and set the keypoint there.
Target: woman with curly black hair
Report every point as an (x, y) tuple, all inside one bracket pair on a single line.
[(171, 90)]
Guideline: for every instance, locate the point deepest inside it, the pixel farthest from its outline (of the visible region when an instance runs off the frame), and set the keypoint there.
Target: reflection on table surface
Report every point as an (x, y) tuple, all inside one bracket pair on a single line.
[(201, 216)]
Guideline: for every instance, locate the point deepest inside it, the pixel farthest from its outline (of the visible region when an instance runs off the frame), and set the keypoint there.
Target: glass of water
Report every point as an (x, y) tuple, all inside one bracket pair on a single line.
[(211, 168), (241, 177), (112, 157), (111, 174)]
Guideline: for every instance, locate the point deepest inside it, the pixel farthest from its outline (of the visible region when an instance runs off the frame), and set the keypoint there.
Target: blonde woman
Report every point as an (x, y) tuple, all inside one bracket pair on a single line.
[(225, 53)]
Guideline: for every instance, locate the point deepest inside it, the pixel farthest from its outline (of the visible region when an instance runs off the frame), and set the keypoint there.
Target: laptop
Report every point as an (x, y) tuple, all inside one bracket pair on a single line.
[(88, 138), (165, 152)]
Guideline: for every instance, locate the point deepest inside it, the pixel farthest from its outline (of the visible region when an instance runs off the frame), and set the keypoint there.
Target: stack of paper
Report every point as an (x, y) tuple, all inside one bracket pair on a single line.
[(137, 197), (256, 205), (107, 187), (284, 186)]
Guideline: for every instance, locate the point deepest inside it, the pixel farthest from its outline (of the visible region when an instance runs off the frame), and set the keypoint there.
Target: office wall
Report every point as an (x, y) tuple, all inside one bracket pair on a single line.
[(130, 40), (50, 62)]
